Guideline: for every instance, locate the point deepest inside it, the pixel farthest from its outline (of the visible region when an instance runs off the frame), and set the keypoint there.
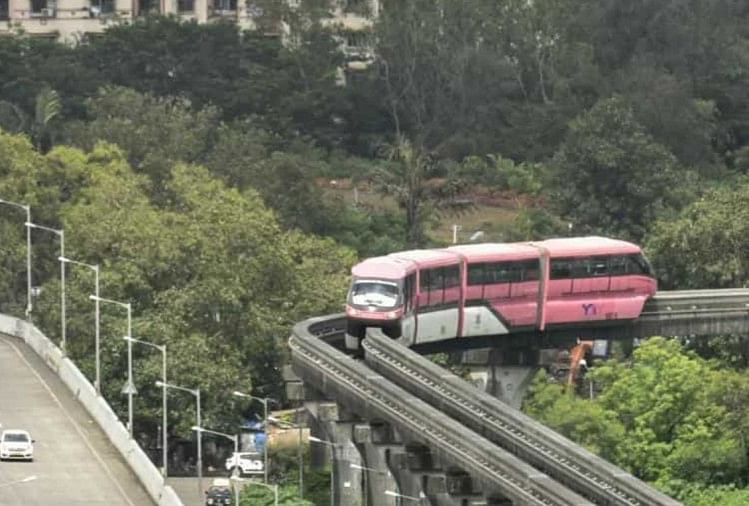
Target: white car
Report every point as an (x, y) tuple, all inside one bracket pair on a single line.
[(245, 463), (16, 444)]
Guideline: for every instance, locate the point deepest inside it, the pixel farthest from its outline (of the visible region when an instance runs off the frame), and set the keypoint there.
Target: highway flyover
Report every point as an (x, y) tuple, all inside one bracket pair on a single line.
[(74, 465)]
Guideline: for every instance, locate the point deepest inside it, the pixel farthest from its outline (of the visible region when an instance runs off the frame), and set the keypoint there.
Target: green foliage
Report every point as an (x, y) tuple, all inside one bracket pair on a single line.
[(606, 154), (705, 245), (502, 174), (409, 178), (667, 416), (258, 495), (210, 273), (589, 424), (154, 132), (220, 261)]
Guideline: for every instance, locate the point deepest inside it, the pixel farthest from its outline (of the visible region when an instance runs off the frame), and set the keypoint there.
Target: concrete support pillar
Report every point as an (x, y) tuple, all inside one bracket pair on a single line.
[(505, 375), (408, 483), (375, 443), (337, 429)]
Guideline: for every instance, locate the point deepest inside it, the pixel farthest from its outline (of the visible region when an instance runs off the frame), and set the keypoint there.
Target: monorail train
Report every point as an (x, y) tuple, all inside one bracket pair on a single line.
[(493, 289)]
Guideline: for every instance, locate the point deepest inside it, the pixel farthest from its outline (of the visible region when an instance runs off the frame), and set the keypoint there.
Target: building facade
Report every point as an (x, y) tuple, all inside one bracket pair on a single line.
[(71, 20)]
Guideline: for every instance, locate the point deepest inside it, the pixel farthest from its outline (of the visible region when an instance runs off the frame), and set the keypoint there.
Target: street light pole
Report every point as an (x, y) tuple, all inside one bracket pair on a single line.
[(95, 268), (61, 234), (200, 429), (130, 384), (164, 435), (28, 253), (200, 445), (264, 401), (196, 393)]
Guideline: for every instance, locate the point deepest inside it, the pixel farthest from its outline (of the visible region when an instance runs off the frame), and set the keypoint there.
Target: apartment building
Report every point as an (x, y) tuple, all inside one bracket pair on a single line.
[(71, 20)]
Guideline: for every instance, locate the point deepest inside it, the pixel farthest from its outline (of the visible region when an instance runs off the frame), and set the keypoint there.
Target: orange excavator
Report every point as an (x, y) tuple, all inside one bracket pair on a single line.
[(578, 361)]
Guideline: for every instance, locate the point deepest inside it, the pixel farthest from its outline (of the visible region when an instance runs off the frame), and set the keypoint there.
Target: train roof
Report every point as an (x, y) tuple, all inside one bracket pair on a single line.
[(400, 264), (489, 251), (592, 245)]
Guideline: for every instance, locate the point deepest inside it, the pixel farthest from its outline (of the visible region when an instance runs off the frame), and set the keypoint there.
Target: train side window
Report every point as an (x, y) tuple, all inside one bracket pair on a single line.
[(599, 266), (530, 270), (451, 276), (424, 280), (476, 274), (636, 264), (592, 267), (436, 286), (561, 269), (501, 272), (630, 264), (431, 284), (618, 265)]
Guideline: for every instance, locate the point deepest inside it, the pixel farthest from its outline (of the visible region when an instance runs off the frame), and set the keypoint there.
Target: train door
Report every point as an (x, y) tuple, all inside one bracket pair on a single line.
[(524, 292), (408, 324), (439, 303), (487, 287)]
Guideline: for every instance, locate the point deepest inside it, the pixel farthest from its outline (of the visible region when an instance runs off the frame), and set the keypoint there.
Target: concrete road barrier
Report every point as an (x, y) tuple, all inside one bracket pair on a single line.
[(100, 411)]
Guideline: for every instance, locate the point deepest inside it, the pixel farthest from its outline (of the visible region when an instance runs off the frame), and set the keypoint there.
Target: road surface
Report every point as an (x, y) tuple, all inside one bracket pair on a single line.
[(74, 465)]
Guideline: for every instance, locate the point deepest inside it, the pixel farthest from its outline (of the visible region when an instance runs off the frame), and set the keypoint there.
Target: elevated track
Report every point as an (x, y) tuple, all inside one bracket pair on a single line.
[(352, 383), (506, 452), (568, 463)]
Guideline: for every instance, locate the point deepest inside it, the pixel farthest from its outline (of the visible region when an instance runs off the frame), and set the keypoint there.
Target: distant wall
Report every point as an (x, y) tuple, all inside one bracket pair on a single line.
[(97, 407)]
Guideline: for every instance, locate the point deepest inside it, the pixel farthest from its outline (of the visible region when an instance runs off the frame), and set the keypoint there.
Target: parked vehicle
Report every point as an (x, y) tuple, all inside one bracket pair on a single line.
[(245, 463), (16, 444)]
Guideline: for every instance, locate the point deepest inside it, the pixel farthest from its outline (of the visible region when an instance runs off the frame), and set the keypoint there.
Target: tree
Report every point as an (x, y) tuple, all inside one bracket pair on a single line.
[(209, 271), (666, 415), (47, 107), (612, 177), (154, 132), (409, 179), (704, 246)]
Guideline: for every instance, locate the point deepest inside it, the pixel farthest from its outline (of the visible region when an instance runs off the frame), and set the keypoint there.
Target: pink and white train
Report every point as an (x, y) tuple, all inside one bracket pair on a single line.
[(494, 289)]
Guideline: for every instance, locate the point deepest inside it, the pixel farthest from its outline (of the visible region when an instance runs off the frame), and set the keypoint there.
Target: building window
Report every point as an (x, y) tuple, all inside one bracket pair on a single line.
[(148, 7), (101, 7), (37, 6), (225, 5), (186, 5)]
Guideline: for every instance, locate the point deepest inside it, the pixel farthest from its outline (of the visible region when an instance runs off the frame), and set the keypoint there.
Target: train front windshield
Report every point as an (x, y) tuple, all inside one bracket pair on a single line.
[(374, 294)]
